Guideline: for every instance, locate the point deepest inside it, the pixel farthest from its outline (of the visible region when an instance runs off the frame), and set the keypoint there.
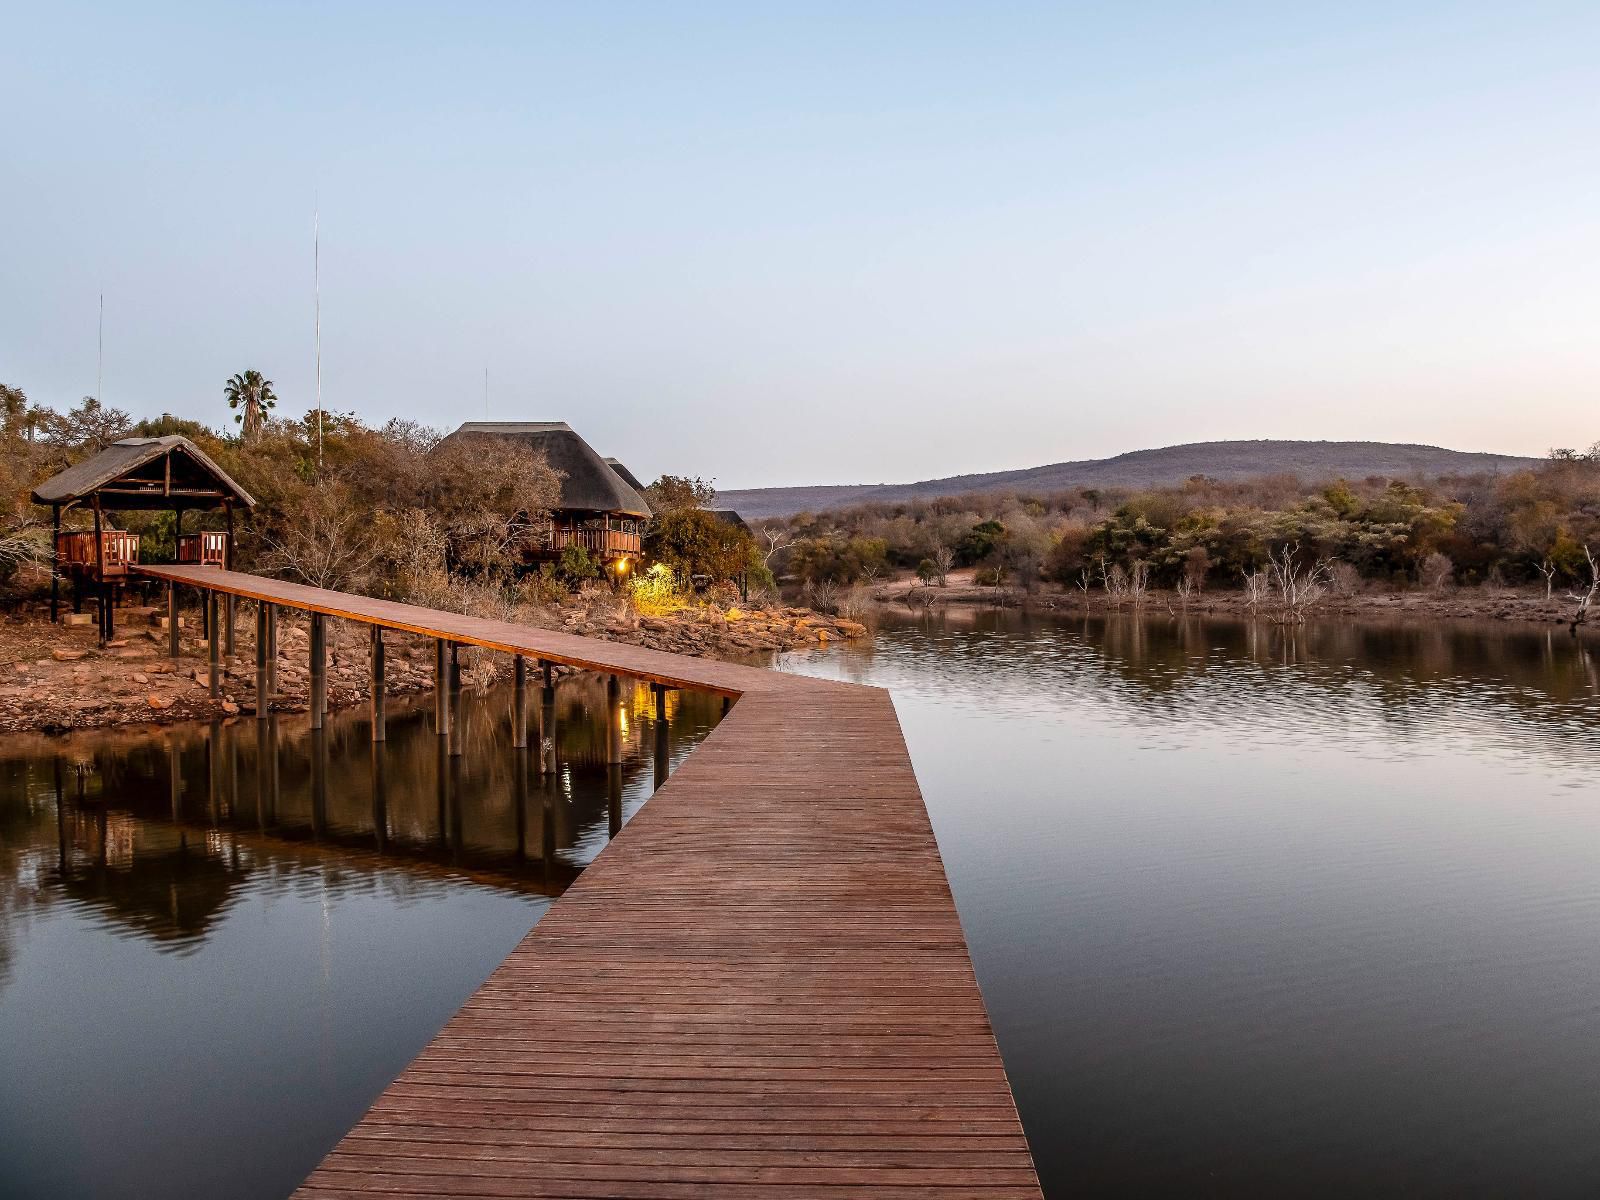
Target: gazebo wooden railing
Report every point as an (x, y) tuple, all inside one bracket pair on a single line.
[(119, 551), (208, 548)]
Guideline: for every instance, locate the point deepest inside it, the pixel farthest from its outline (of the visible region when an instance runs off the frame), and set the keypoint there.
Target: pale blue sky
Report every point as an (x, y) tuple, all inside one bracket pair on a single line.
[(814, 243)]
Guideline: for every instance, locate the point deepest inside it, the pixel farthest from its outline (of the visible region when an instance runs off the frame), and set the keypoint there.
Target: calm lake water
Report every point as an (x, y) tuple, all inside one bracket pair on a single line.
[(207, 975), (1256, 912), (1272, 913)]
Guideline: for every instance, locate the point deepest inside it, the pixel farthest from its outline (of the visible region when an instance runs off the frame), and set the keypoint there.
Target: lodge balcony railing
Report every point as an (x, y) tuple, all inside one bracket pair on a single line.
[(600, 541)]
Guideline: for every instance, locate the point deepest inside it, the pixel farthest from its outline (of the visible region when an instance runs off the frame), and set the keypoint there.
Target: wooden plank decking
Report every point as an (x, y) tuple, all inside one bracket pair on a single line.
[(758, 989)]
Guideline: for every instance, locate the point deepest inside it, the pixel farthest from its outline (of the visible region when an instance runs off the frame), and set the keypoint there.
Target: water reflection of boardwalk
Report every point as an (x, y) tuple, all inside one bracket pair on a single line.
[(761, 986)]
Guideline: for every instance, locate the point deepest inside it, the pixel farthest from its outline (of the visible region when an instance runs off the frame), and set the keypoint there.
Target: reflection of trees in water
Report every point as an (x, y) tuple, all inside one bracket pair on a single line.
[(158, 829), (1514, 682)]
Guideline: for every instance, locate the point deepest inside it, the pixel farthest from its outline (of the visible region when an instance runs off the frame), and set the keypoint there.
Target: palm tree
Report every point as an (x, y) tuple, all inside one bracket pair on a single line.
[(251, 396)]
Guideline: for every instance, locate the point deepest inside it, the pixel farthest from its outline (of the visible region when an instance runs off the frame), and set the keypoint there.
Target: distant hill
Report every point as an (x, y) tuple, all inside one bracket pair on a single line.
[(1144, 468)]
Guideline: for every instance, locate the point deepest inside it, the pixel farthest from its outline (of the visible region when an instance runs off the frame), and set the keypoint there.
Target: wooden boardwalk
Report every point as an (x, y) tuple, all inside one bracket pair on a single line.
[(758, 989)]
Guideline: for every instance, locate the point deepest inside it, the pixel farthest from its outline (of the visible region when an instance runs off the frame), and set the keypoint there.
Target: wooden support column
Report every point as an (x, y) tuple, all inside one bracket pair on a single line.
[(441, 688), (547, 731), (663, 743), (455, 667), (99, 572), (263, 733), (319, 780), (661, 701), (55, 563), (549, 681), (519, 702), (172, 620), (379, 684), (727, 703), (613, 720), (380, 796), (263, 694), (272, 649), (227, 565), (213, 646), (519, 795), (319, 669)]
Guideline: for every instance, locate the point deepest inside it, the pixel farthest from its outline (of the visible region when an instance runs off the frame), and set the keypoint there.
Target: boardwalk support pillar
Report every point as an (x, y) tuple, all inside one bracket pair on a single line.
[(441, 688), (213, 648), (613, 720), (172, 620), (319, 669), (519, 702), (379, 696), (263, 696)]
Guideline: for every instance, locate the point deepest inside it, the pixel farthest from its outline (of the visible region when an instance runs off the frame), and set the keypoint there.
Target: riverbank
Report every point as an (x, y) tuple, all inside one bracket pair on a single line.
[(1523, 605), (55, 677)]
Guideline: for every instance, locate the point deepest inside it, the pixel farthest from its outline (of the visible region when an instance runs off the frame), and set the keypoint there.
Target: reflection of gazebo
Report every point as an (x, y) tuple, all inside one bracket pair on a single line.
[(135, 474)]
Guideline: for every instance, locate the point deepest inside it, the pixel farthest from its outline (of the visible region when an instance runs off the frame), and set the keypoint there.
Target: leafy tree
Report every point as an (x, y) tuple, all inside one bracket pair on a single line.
[(251, 397), (691, 541), (674, 493), (576, 564)]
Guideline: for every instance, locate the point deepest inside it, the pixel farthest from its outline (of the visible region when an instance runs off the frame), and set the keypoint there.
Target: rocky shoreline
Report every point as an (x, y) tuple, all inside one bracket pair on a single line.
[(55, 678)]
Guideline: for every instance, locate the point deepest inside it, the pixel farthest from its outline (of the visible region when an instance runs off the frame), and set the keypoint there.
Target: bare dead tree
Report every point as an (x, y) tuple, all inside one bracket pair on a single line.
[(1586, 598), (777, 538), (1085, 578), (1299, 586), (1255, 587), (1548, 570), (943, 559), (327, 542), (1183, 588), (1114, 580), (1138, 580)]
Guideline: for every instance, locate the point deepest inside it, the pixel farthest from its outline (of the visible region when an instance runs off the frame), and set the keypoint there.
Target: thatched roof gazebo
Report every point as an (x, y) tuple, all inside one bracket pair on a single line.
[(135, 474)]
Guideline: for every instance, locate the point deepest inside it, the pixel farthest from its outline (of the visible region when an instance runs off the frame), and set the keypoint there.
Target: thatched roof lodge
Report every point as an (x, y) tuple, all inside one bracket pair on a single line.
[(632, 480), (598, 509)]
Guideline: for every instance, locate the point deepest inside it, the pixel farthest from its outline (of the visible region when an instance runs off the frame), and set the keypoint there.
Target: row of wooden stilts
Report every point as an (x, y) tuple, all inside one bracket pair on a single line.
[(219, 626)]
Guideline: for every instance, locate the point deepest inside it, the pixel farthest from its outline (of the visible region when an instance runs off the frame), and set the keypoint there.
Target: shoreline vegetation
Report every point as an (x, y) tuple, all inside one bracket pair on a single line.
[(1518, 546), (1522, 605)]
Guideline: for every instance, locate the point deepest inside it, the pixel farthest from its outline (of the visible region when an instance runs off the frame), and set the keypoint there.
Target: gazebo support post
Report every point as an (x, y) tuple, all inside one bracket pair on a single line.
[(227, 565), (100, 573), (55, 563)]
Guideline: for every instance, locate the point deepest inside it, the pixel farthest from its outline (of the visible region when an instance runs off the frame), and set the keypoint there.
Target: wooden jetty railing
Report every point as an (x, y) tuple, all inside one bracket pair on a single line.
[(759, 988)]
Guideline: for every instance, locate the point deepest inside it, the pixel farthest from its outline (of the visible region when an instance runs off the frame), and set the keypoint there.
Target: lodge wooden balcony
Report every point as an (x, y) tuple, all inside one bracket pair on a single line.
[(596, 541), (75, 552)]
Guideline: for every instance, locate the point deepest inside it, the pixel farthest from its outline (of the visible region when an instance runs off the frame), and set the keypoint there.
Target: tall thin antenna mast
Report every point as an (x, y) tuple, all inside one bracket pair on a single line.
[(100, 361), (316, 270)]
